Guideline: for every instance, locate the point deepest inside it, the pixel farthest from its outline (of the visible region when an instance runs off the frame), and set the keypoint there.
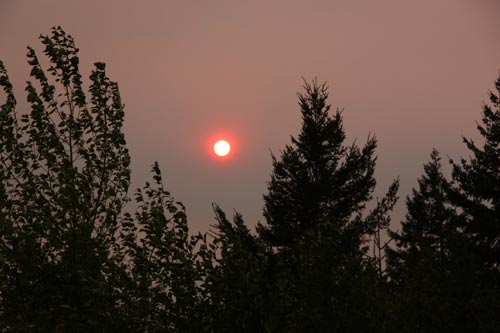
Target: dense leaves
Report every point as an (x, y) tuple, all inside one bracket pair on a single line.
[(65, 174), (71, 258)]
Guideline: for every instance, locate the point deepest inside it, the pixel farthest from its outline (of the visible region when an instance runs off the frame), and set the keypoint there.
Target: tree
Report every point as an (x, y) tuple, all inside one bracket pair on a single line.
[(314, 209), (71, 259), (64, 171), (240, 281), (429, 268), (476, 194), (318, 181), (476, 190), (428, 228), (445, 265), (166, 278)]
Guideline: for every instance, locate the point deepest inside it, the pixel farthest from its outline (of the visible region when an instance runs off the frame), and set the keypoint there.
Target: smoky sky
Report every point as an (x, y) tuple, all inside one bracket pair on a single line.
[(414, 73)]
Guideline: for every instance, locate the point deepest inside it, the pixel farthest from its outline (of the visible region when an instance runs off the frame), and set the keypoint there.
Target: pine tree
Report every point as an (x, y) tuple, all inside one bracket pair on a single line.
[(429, 268), (445, 265), (318, 181), (428, 227), (476, 191), (315, 227)]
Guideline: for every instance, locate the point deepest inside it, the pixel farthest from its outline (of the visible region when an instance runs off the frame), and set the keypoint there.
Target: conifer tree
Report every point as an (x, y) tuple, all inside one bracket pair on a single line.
[(429, 226), (476, 190), (318, 182), (445, 264), (428, 268), (316, 226)]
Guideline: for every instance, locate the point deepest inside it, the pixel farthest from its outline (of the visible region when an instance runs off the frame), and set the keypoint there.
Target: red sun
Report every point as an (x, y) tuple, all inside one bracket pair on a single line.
[(222, 148)]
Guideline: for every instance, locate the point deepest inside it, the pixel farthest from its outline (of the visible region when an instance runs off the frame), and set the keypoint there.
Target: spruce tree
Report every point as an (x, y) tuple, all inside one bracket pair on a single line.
[(476, 190), (318, 181), (429, 268), (316, 226), (445, 265), (429, 225)]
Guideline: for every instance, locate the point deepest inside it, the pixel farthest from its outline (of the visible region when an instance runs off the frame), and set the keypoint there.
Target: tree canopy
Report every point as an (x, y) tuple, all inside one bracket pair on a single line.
[(75, 258)]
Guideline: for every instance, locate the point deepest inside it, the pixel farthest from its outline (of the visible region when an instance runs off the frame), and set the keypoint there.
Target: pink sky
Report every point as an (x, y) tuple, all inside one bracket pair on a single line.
[(415, 73)]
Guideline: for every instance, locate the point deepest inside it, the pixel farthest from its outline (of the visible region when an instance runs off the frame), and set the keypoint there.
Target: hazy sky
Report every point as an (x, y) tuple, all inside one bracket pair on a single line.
[(415, 73)]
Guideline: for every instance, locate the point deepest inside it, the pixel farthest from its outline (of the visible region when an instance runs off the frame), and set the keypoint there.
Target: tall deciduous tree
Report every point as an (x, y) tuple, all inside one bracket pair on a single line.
[(240, 281), (70, 259), (64, 174), (166, 277)]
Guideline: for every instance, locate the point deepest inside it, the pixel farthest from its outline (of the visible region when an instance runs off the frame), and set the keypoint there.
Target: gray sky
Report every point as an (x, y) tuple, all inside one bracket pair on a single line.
[(415, 73)]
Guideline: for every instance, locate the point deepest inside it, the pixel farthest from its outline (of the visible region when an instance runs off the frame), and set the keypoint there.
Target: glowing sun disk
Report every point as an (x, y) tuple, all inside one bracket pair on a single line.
[(222, 148)]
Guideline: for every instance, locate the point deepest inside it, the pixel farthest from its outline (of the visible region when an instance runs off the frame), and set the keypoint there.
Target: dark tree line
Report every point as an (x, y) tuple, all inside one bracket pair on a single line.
[(73, 260)]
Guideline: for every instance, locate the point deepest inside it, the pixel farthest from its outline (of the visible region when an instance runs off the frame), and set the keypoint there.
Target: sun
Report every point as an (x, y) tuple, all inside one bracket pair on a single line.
[(222, 148)]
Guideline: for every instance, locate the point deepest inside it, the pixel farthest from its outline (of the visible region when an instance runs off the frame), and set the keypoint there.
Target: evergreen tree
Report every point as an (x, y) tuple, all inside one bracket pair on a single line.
[(445, 267), (429, 268), (428, 228), (476, 191), (315, 225), (318, 182)]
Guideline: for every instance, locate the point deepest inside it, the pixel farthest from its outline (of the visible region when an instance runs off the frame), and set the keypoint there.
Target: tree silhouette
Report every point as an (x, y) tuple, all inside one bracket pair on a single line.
[(477, 193), (314, 213), (65, 174), (445, 265), (429, 266), (429, 225), (165, 280), (240, 283), (70, 259)]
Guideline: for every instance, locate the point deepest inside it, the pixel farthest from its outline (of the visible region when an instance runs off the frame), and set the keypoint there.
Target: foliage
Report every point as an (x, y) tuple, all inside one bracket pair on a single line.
[(64, 174), (73, 259), (423, 266), (477, 193), (162, 261), (240, 282), (444, 269), (314, 209)]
